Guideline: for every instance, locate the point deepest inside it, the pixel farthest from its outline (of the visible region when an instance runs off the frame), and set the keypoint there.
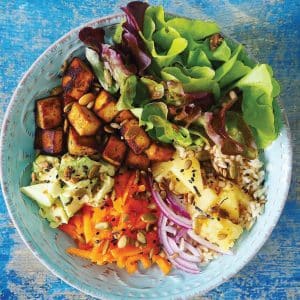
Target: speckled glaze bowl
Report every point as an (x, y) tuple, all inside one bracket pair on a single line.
[(48, 245)]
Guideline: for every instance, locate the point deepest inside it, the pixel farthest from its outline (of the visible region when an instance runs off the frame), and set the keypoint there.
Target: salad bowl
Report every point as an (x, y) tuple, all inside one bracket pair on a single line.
[(48, 245)]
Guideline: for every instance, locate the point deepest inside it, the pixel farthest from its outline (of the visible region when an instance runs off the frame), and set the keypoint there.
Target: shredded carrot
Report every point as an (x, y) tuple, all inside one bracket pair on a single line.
[(79, 252), (163, 263), (98, 230)]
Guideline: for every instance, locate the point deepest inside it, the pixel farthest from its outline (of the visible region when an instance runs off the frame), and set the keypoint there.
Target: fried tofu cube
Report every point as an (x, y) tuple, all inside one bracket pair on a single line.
[(124, 115), (137, 161), (114, 151), (48, 112), (81, 145), (105, 106), (83, 120), (77, 79), (50, 141), (160, 153), (135, 136)]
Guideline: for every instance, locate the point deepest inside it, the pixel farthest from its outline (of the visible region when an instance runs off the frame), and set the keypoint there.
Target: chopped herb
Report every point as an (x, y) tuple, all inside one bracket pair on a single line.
[(196, 190)]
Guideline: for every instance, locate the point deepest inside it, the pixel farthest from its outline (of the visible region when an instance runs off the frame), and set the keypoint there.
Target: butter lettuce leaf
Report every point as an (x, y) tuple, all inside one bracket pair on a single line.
[(259, 89), (154, 117), (196, 29)]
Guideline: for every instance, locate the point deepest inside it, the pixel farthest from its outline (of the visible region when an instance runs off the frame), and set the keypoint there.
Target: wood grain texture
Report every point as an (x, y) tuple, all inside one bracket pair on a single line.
[(269, 29)]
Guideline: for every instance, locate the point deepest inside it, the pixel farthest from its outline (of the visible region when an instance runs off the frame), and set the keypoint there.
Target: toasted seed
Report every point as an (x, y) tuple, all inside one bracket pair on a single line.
[(152, 206), (151, 253), (233, 95), (141, 237), (86, 99), (116, 235), (93, 172), (233, 172), (162, 254), (108, 129), (187, 164), (68, 107), (136, 244), (222, 236), (174, 255), (80, 192), (163, 194), (105, 247), (115, 125), (171, 186), (57, 90), (149, 218), (90, 105), (162, 186), (102, 225), (66, 125), (122, 241), (224, 172)]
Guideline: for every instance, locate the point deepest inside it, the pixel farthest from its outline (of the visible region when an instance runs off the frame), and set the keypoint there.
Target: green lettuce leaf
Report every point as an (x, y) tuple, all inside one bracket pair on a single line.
[(128, 93), (259, 89), (227, 66), (237, 71), (191, 84), (154, 117), (196, 29)]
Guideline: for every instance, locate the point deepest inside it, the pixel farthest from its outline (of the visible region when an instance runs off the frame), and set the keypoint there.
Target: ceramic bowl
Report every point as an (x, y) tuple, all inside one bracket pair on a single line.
[(109, 282)]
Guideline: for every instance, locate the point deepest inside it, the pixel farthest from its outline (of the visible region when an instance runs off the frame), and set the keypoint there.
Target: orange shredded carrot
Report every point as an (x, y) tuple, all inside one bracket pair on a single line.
[(163, 263), (79, 252), (121, 217)]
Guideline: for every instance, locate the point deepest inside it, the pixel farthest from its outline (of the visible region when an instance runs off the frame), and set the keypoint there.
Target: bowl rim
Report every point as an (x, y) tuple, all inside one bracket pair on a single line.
[(74, 282)]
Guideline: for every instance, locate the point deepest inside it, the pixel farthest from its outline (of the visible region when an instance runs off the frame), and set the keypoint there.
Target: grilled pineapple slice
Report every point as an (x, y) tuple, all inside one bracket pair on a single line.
[(218, 231), (184, 173)]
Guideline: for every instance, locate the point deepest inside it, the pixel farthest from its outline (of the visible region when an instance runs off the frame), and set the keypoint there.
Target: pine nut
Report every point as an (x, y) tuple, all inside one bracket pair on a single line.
[(86, 99)]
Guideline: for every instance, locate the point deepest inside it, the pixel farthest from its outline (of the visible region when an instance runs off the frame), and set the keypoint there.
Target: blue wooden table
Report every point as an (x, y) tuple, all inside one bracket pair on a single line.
[(269, 29)]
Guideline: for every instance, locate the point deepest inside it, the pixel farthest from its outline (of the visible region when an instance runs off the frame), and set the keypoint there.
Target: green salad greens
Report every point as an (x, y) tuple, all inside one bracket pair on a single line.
[(162, 64)]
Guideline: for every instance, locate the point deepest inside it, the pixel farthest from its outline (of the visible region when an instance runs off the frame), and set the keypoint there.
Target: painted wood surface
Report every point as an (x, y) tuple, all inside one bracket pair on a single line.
[(269, 29)]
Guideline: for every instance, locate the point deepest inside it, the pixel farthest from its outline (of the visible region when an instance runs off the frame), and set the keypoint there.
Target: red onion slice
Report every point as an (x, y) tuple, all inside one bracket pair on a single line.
[(207, 244), (182, 254), (179, 220), (178, 208), (178, 262)]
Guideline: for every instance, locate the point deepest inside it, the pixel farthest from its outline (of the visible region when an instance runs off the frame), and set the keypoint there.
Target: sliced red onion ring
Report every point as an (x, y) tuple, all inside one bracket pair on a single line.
[(182, 254), (178, 262), (171, 230), (179, 220), (191, 248), (177, 207), (181, 233), (207, 244)]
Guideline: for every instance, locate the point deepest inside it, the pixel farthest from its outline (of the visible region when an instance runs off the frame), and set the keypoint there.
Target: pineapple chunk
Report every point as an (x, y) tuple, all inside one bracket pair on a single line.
[(188, 179), (188, 172), (207, 200), (229, 203), (221, 232)]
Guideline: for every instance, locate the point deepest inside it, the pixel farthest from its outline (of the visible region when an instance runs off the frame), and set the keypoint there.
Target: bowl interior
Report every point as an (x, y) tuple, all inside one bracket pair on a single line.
[(49, 245)]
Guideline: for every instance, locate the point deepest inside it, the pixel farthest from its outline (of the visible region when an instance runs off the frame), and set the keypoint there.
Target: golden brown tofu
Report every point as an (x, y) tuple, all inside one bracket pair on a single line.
[(51, 140), (81, 145), (124, 115), (160, 153), (77, 79), (114, 151), (48, 112), (83, 120), (137, 161), (105, 106), (135, 136)]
